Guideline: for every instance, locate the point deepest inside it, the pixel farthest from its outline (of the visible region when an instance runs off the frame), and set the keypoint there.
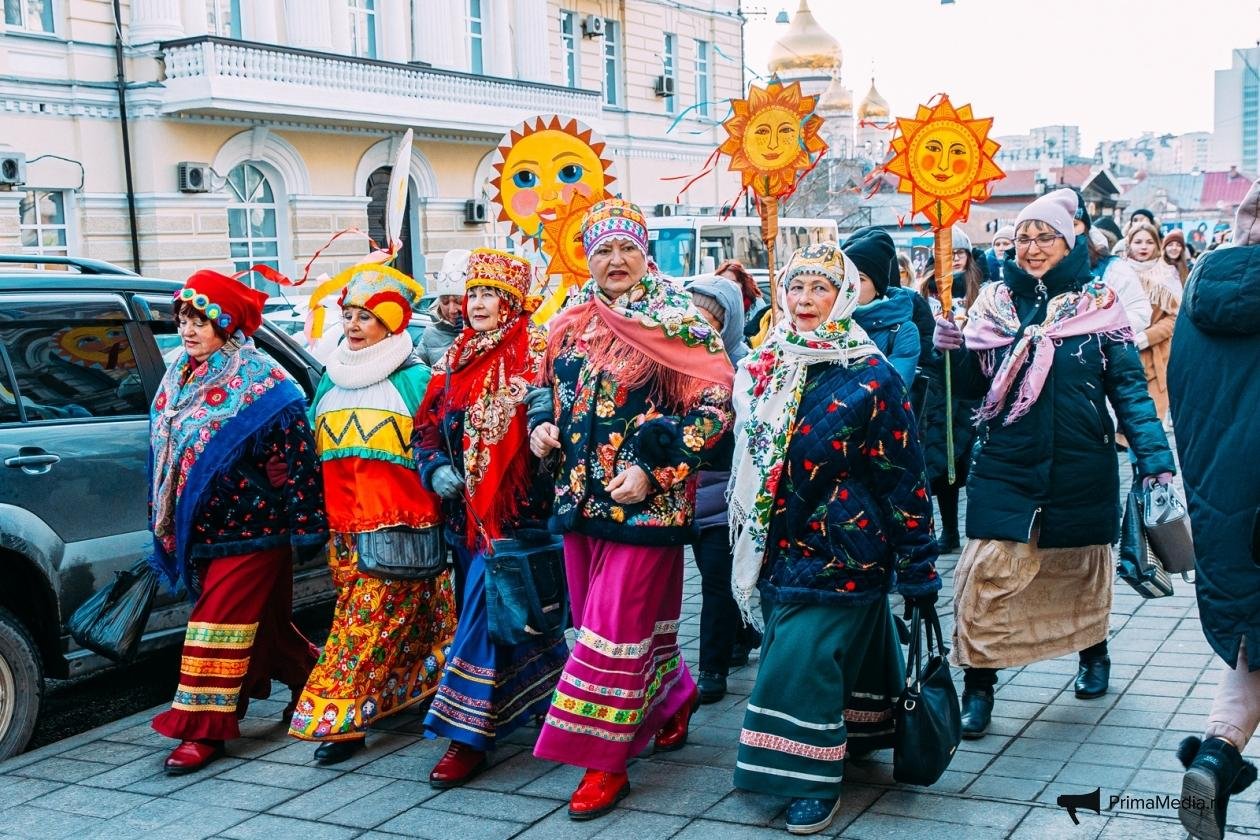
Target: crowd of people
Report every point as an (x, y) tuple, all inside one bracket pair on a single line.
[(797, 448)]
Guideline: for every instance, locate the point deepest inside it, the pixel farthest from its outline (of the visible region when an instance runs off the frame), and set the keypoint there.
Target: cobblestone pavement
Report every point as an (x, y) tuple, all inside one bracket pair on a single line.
[(1043, 742)]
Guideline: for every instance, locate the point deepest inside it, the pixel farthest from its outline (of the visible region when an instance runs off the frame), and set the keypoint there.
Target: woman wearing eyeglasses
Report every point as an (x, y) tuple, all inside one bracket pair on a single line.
[(1045, 349)]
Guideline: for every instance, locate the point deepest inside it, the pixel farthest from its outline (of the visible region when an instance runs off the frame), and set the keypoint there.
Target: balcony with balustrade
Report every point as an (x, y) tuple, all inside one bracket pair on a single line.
[(208, 75)]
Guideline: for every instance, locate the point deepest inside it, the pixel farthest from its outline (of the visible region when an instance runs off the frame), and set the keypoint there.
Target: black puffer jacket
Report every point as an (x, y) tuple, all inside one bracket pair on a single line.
[(1056, 466), (1214, 390)]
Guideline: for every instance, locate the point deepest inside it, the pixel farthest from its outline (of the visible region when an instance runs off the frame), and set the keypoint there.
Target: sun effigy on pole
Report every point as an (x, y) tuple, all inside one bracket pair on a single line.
[(773, 141), (944, 159)]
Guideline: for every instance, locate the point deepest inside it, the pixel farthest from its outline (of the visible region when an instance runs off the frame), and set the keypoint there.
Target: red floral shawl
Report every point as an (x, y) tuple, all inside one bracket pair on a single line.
[(486, 375)]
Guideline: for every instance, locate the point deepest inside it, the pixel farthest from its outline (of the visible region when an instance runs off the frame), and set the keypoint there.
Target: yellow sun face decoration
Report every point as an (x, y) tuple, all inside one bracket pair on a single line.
[(944, 158), (101, 347), (562, 243), (773, 138), (542, 164)]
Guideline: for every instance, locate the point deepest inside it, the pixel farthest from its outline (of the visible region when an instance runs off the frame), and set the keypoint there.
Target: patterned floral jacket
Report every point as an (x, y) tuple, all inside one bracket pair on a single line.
[(852, 515), (606, 428)]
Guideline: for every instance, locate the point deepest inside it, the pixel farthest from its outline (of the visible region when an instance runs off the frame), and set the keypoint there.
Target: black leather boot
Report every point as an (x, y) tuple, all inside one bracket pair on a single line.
[(949, 540), (333, 752), (977, 710), (1214, 771), (1092, 678), (712, 686)]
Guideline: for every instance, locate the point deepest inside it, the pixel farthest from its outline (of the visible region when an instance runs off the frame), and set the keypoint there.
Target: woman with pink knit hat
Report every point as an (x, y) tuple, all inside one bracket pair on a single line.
[(1045, 350)]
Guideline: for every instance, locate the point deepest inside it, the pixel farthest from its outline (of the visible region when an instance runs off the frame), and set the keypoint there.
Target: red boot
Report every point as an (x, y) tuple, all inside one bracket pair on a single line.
[(597, 794), (673, 735), (191, 756), (460, 764)]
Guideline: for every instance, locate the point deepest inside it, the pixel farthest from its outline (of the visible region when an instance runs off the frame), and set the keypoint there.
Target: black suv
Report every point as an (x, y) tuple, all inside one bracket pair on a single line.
[(82, 351)]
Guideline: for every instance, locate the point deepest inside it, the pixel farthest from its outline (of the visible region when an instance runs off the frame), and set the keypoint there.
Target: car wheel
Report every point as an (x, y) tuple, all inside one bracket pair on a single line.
[(21, 685)]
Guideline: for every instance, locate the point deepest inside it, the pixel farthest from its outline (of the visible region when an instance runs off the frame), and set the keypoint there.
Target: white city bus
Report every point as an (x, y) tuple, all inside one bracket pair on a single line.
[(687, 245)]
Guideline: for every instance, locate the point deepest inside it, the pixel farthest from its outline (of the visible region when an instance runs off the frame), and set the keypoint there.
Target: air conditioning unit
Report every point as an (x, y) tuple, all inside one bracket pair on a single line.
[(476, 211), (193, 177), (665, 85), (593, 26), (667, 209), (12, 169)]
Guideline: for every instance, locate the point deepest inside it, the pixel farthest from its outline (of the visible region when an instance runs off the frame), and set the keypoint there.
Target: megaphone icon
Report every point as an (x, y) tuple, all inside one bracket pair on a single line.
[(1089, 801)]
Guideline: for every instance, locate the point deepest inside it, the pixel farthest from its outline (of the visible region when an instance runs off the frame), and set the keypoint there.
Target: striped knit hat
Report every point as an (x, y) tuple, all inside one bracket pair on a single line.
[(614, 218)]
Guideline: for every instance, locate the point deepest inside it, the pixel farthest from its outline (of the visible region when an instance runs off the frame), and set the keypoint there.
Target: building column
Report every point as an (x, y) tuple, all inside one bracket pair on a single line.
[(155, 20), (339, 24), (307, 25), (392, 18), (440, 34), (533, 62), (497, 31), (262, 23), (193, 13)]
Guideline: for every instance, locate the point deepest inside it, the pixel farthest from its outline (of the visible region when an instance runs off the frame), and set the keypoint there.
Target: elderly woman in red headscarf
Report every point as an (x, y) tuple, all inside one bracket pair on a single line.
[(235, 491), (640, 398), (471, 444)]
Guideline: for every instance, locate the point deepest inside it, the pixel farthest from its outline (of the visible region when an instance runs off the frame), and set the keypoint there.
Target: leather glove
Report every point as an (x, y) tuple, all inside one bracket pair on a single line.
[(446, 482), (947, 336), (923, 602), (1151, 480), (277, 471)]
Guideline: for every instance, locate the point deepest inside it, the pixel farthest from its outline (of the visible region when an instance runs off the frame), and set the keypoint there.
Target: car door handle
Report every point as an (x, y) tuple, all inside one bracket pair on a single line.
[(33, 461)]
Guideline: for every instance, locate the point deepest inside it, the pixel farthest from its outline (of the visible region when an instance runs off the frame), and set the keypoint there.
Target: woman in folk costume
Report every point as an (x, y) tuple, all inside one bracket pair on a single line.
[(829, 510), (388, 640), (472, 449), (1046, 349), (639, 398), (235, 493), (1163, 289)]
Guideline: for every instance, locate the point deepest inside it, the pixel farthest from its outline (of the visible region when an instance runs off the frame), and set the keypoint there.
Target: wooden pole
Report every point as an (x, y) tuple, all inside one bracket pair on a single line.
[(944, 271), (769, 208)]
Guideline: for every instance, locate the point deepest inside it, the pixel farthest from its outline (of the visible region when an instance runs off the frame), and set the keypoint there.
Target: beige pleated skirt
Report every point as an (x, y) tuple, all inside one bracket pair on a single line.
[(1015, 603)]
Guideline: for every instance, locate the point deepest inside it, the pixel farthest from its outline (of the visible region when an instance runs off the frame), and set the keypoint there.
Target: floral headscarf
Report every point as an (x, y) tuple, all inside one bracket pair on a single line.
[(768, 387)]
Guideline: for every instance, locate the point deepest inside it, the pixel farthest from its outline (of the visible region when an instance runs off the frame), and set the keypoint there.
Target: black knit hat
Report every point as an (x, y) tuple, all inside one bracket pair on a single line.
[(873, 252), (1142, 211), (1081, 212), (1109, 224)]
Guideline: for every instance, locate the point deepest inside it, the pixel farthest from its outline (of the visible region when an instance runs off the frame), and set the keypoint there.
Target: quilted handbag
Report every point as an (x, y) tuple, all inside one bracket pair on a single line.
[(927, 720), (1136, 564), (1168, 528), (402, 553), (112, 621), (526, 598)]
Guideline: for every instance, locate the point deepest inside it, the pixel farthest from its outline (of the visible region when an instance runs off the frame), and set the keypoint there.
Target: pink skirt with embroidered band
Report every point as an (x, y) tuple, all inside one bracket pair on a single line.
[(625, 676)]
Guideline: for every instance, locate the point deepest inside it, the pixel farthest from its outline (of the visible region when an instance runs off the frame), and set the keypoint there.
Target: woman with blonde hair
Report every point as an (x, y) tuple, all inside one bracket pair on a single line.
[(1159, 280)]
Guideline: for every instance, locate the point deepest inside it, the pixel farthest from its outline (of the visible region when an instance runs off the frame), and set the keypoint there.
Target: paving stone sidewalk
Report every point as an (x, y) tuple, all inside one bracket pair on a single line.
[(1044, 742)]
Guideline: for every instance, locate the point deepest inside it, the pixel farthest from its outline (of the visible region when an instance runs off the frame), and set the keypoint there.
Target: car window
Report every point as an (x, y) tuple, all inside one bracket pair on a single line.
[(70, 357), (8, 394)]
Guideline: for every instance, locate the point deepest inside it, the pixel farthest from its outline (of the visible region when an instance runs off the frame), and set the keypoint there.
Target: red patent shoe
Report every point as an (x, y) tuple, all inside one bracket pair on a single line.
[(460, 764), (597, 794), (673, 735), (191, 756)]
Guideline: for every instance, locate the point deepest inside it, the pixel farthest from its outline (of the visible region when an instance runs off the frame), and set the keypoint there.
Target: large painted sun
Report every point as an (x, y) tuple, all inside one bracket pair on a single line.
[(542, 164), (944, 158), (773, 138)]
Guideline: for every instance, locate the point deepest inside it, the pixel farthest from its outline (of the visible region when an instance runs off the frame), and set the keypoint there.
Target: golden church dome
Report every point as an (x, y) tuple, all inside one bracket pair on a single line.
[(873, 106), (836, 99), (805, 46)]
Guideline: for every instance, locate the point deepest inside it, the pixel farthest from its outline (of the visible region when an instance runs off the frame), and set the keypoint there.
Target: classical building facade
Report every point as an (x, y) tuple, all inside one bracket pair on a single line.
[(296, 108)]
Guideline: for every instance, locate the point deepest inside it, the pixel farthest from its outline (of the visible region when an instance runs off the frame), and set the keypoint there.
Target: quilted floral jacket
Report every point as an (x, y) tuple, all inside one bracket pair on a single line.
[(606, 428), (852, 515)]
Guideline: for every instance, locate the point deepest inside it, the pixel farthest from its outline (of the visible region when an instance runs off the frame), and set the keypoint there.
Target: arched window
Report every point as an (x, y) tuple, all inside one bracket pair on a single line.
[(378, 196), (252, 235)]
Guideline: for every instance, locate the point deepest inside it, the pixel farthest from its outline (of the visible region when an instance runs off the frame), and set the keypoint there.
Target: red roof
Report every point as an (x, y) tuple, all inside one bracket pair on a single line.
[(1226, 188), (1023, 182)]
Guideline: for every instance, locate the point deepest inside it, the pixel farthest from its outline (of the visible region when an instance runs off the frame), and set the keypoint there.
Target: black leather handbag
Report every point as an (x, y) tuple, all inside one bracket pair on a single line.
[(526, 598), (402, 553), (1136, 563), (927, 720), (112, 621)]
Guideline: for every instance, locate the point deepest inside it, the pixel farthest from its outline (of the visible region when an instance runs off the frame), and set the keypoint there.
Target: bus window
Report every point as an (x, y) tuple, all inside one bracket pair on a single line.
[(718, 241), (674, 250)]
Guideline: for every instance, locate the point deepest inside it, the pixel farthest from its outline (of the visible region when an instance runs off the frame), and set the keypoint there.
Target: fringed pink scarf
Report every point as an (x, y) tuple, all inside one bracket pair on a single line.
[(993, 323), (652, 336)]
